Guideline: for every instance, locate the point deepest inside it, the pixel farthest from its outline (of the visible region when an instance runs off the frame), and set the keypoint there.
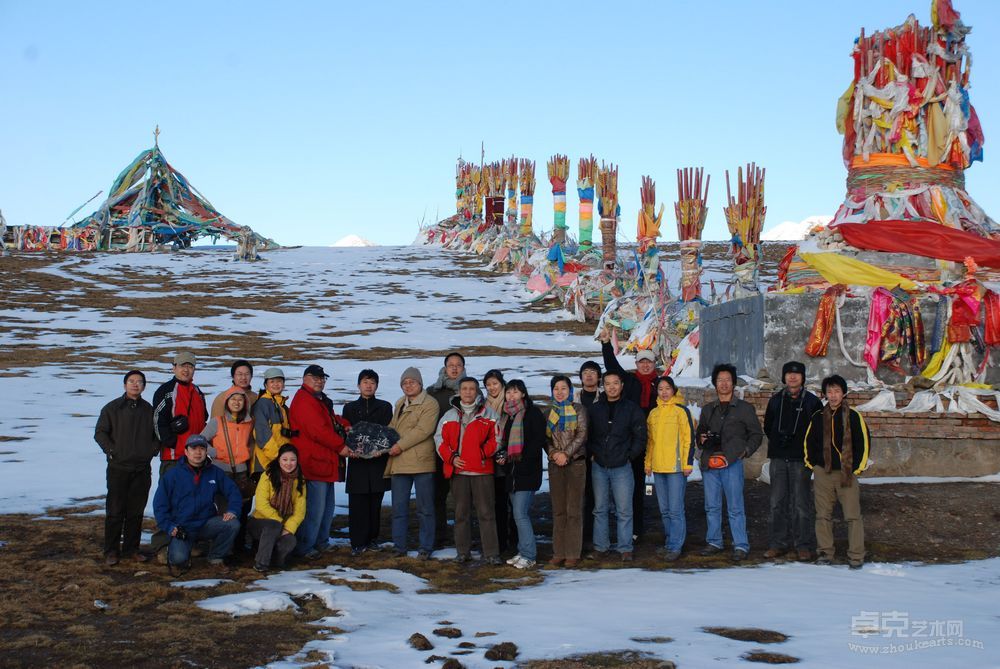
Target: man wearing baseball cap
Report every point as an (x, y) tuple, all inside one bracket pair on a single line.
[(185, 507), (321, 440), (179, 410), (793, 519)]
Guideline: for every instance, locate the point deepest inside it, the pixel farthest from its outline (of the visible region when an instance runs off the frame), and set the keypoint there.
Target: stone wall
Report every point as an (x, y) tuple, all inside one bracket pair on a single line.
[(913, 444)]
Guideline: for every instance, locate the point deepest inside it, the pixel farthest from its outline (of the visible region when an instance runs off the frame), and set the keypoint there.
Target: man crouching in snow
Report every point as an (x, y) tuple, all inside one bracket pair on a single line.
[(184, 506)]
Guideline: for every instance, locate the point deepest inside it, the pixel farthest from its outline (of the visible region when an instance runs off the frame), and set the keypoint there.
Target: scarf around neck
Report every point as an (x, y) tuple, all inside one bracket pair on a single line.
[(495, 403), (513, 413), (444, 382), (281, 499), (562, 416), (846, 447), (646, 388)]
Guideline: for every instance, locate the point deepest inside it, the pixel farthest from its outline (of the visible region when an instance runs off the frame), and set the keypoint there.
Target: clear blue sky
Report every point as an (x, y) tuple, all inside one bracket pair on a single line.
[(310, 121)]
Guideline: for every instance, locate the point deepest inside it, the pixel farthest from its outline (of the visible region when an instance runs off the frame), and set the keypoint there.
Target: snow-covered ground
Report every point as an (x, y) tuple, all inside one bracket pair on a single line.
[(345, 302)]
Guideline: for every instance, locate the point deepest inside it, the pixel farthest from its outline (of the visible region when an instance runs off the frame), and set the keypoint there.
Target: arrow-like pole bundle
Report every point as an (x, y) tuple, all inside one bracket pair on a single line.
[(509, 167), (649, 221), (558, 167), (495, 180), (607, 203), (691, 211), (745, 216), (586, 180), (477, 185), (527, 184), (460, 187)]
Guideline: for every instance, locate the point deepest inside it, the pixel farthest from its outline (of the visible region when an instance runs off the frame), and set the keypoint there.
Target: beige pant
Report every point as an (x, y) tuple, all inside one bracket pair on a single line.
[(827, 491), (566, 488)]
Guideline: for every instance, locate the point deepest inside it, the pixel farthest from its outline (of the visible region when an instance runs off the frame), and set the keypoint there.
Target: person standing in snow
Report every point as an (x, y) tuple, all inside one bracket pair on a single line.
[(412, 460), (617, 435), (670, 460), (271, 426), (125, 433), (321, 440), (520, 442), (466, 443), (836, 450), (494, 383), (366, 482), (179, 411), (442, 391), (241, 373), (566, 434), (728, 433), (640, 387), (590, 381), (793, 520)]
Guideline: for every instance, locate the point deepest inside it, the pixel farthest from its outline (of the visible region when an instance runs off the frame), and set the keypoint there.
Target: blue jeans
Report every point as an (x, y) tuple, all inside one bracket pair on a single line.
[(617, 483), (401, 486), (670, 498), (728, 482), (314, 532), (521, 502), (219, 532)]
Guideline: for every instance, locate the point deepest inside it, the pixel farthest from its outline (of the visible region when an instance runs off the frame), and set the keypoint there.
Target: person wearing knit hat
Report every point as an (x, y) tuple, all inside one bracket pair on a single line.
[(125, 433), (412, 462), (793, 520), (271, 422)]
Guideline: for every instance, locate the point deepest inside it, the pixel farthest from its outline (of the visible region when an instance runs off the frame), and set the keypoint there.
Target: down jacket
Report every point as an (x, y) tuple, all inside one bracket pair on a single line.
[(319, 442)]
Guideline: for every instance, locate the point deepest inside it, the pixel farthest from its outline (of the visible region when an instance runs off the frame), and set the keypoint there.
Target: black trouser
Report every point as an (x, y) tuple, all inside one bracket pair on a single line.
[(504, 512), (441, 488), (127, 494), (588, 507), (364, 520), (274, 546), (638, 495)]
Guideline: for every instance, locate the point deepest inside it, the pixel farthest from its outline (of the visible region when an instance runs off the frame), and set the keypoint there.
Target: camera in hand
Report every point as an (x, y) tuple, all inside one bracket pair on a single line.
[(179, 425), (289, 433), (713, 441), (181, 533)]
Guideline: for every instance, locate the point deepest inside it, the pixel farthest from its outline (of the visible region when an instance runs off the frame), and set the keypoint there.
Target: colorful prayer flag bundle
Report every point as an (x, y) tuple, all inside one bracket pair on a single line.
[(558, 169), (607, 204), (691, 210), (509, 167), (586, 181), (745, 217), (527, 184)]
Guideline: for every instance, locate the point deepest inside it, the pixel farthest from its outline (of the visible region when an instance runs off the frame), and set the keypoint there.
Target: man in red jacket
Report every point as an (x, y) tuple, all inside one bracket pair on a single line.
[(466, 443), (321, 441)]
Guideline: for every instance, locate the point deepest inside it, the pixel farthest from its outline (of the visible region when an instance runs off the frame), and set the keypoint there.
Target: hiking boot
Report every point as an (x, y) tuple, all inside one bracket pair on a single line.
[(161, 556), (311, 555), (356, 552), (494, 560), (709, 550), (855, 564), (627, 556), (739, 555), (396, 552), (571, 563), (512, 561), (373, 546), (556, 561), (772, 553), (178, 569), (805, 555), (524, 563), (462, 558), (597, 555), (423, 556), (671, 556), (110, 559), (824, 560), (138, 557), (220, 565), (261, 568)]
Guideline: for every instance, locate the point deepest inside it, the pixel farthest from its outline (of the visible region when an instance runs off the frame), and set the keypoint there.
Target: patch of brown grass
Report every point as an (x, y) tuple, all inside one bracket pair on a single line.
[(748, 634)]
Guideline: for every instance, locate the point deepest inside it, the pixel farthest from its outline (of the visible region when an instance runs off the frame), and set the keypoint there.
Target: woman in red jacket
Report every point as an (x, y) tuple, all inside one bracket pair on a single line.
[(321, 441)]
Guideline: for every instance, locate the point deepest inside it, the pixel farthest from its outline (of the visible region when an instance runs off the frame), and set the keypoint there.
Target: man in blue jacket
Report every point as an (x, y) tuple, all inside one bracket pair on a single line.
[(185, 507)]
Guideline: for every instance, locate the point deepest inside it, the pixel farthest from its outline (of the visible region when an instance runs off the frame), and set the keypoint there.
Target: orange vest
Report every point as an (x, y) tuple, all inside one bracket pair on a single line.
[(239, 441)]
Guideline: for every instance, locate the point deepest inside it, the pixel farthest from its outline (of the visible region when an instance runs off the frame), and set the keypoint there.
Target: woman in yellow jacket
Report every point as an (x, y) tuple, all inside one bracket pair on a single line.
[(280, 506), (669, 458)]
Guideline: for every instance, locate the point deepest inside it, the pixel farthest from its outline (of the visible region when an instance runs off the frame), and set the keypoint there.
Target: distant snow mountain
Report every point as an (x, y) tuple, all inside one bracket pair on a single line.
[(794, 231), (354, 240)]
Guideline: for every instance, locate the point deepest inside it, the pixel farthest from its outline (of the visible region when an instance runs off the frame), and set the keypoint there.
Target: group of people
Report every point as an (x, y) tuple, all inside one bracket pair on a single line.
[(255, 472)]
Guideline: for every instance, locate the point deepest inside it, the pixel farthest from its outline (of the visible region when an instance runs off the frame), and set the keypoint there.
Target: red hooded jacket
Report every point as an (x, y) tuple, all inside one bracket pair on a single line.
[(318, 442)]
